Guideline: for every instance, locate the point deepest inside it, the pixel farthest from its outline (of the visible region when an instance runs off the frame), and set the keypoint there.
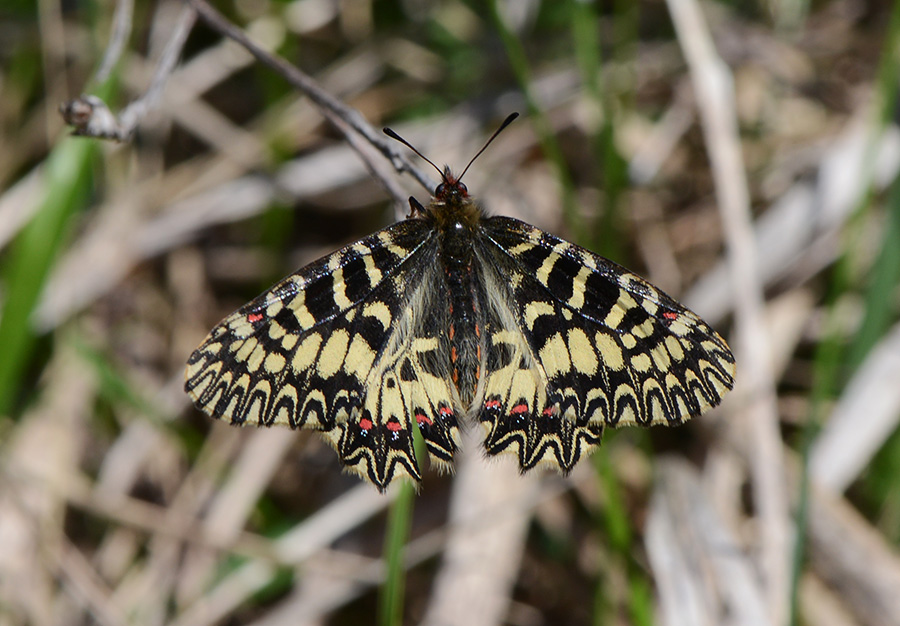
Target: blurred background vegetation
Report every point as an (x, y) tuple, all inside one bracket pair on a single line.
[(120, 504)]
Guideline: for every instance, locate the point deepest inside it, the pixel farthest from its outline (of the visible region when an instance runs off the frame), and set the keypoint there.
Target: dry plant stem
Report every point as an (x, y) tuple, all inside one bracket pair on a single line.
[(846, 445), (850, 554), (698, 567), (91, 116), (376, 169), (151, 518), (136, 111), (800, 229), (121, 31), (53, 57), (331, 107), (296, 546), (87, 586), (35, 461), (481, 561), (715, 98)]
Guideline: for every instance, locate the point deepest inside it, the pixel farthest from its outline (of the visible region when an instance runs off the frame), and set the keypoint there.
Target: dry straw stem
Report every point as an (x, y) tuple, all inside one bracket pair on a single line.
[(715, 98), (343, 116), (847, 552), (296, 546), (820, 606), (92, 118), (35, 465), (692, 551), (122, 20), (797, 235), (847, 443), (481, 559)]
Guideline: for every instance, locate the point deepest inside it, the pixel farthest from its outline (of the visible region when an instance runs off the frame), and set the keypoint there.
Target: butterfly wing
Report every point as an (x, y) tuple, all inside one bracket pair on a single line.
[(576, 342), (339, 347)]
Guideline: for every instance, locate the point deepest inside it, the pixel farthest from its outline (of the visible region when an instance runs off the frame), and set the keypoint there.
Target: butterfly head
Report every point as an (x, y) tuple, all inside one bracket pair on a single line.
[(452, 190)]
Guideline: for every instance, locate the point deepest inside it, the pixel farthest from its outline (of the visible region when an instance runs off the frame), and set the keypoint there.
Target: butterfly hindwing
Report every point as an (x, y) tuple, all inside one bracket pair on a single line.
[(337, 348), (588, 341), (521, 405)]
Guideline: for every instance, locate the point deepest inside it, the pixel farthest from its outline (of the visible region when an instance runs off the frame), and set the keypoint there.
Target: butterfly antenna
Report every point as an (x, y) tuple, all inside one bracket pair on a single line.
[(390, 133), (509, 119)]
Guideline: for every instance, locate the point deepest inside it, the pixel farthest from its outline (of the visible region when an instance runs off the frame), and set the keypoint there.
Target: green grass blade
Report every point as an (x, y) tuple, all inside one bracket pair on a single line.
[(390, 609), (884, 278), (615, 527), (67, 177), (605, 236), (518, 61)]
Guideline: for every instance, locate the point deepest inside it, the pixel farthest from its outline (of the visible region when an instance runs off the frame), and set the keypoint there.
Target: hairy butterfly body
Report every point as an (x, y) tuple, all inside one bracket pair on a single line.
[(448, 316)]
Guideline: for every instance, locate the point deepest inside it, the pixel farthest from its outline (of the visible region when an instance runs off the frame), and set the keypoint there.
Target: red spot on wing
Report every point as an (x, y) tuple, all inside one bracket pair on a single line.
[(670, 315), (492, 404), (393, 426), (549, 411), (254, 317), (421, 418), (519, 409), (365, 423)]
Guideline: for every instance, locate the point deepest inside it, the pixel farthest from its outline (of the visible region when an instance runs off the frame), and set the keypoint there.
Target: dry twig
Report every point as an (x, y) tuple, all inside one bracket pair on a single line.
[(715, 99), (91, 116)]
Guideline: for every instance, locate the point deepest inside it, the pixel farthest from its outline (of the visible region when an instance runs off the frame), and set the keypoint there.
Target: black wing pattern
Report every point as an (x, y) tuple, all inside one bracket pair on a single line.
[(576, 342), (345, 346)]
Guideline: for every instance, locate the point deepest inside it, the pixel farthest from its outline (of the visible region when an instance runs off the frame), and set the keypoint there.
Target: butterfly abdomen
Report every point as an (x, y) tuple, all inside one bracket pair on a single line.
[(458, 259)]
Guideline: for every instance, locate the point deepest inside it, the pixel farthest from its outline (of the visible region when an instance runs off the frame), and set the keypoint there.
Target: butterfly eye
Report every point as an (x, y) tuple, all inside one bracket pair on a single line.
[(440, 189), (462, 188)]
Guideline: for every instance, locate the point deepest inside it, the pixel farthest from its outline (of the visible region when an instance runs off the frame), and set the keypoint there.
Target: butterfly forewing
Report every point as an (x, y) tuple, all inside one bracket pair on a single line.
[(340, 347)]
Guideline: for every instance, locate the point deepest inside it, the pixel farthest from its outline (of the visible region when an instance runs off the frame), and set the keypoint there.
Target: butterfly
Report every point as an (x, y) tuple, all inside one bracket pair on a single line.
[(452, 316)]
